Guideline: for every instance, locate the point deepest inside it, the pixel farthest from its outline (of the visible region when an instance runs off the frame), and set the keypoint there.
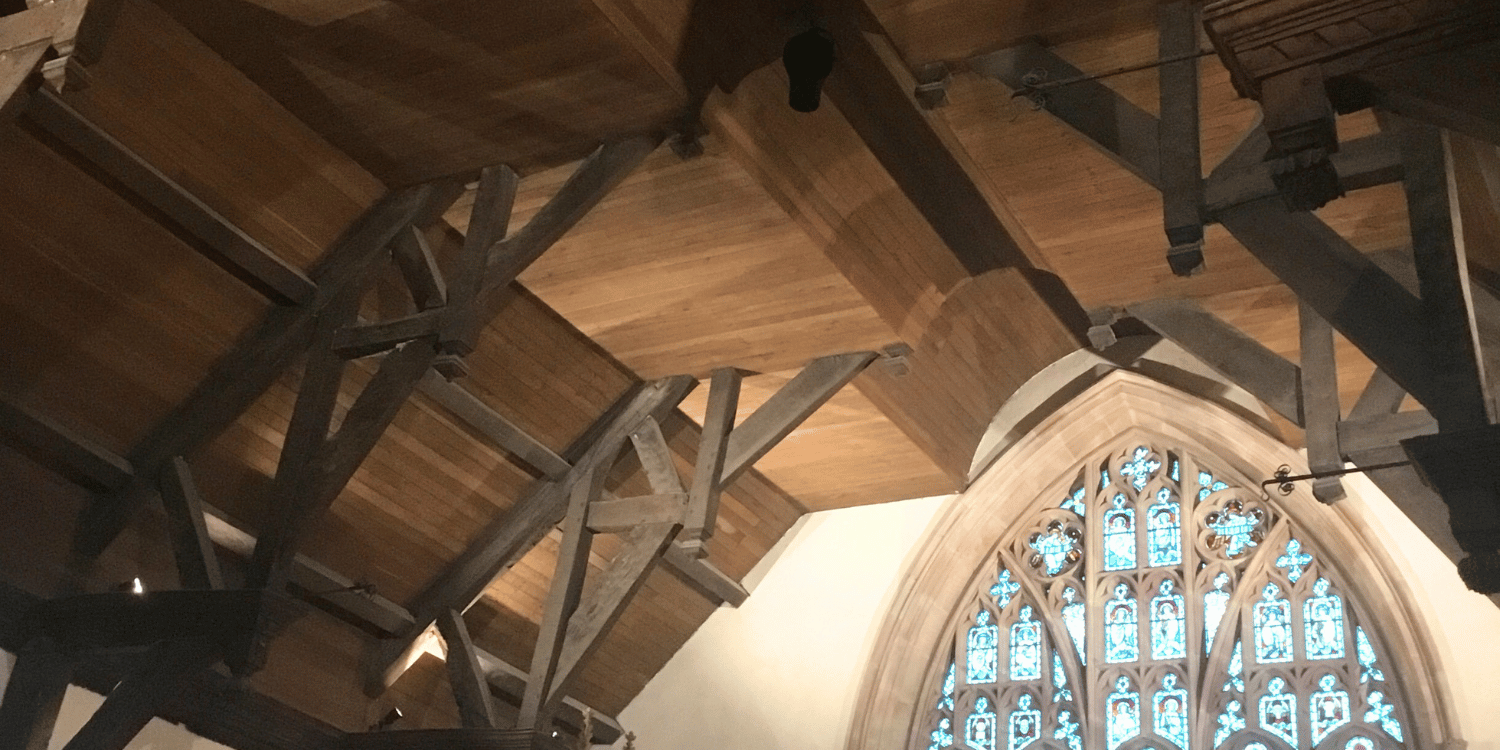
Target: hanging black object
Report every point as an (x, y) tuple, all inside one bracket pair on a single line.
[(808, 58)]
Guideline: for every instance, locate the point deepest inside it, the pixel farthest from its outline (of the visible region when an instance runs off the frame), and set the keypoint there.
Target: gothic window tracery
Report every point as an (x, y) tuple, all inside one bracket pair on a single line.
[(1158, 602)]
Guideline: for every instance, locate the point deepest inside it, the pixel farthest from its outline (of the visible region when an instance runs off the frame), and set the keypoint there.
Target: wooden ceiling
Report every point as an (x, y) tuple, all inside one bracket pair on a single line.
[(785, 241)]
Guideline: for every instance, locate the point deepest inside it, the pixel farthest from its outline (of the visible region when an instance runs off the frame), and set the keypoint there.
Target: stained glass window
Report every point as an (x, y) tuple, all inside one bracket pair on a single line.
[(1273, 627), (1230, 722), (1025, 724), (1323, 623), (1026, 648), (942, 736), (1122, 714), (1164, 531), (1278, 711), (1293, 561), (1067, 730), (1169, 711), (1074, 502), (1074, 618), (1383, 714), (1120, 632), (945, 702), (1140, 468), (1214, 604), (1368, 670), (1056, 548), (1119, 536), (1196, 545), (1004, 589), (1060, 680), (1168, 624), (1329, 708), (979, 732), (984, 645)]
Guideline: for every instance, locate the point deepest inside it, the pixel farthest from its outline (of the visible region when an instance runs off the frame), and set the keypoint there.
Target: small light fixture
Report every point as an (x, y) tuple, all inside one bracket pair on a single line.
[(136, 587), (391, 717)]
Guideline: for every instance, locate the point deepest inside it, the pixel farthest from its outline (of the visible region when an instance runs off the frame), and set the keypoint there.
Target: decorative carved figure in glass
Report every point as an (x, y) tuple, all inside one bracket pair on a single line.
[(1235, 529), (1164, 531), (1025, 724), (1169, 711), (1122, 714), (1026, 648), (1278, 711), (984, 647), (1273, 627), (1323, 623), (1329, 708), (1074, 618), (1121, 639), (1214, 604), (1055, 548), (1119, 535), (1168, 624), (979, 731)]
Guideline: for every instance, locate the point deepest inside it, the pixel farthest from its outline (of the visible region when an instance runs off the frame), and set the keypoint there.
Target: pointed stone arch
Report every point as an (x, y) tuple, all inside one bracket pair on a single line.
[(903, 674)]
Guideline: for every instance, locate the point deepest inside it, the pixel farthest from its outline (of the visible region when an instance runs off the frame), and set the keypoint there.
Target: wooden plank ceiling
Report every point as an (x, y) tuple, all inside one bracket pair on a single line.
[(785, 241)]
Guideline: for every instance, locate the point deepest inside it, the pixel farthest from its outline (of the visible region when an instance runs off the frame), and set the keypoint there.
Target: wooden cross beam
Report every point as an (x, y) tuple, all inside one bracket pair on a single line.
[(197, 565), (132, 704), (1181, 165), (76, 29), (1320, 402), (471, 690), (33, 696)]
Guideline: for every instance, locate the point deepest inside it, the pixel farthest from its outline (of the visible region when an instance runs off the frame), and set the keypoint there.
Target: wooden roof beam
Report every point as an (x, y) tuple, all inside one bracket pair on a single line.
[(34, 695)]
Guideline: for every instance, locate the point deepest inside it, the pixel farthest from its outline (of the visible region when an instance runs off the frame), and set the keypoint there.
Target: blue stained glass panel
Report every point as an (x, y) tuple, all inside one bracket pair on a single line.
[(1208, 486), (1323, 623), (1170, 713), (942, 737), (1060, 680), (1056, 547), (1164, 531), (1004, 589), (1234, 529), (1294, 560), (1383, 714), (1026, 648), (984, 650), (1025, 724), (979, 731), (1255, 746), (1121, 638), (1074, 502), (1122, 714), (1230, 721), (1103, 478), (1359, 743), (1168, 624), (1214, 605), (1074, 617), (1236, 681), (1366, 653), (946, 701), (1273, 627), (1119, 536), (1140, 468), (1278, 711), (1176, 470), (1329, 708), (1067, 730)]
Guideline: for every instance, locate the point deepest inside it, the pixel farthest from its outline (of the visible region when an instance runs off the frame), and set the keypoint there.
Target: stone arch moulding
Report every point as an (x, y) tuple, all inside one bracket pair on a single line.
[(959, 545)]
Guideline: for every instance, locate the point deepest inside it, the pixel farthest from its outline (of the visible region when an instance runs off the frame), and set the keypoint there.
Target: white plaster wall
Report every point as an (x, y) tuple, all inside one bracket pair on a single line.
[(1465, 625), (781, 670), (79, 705)]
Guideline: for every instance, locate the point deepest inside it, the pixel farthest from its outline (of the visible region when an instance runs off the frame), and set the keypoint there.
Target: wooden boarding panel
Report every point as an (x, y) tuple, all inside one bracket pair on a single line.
[(184, 110), (689, 265), (929, 31), (395, 86)]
